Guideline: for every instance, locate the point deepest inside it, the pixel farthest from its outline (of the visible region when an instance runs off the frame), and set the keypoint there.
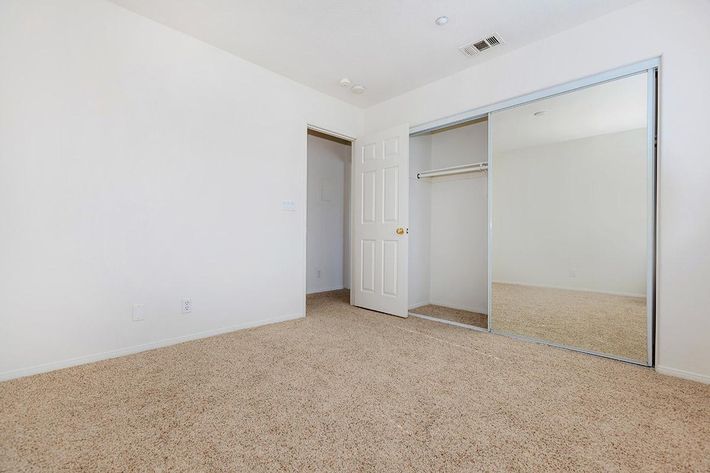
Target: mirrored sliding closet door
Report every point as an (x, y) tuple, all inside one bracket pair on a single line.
[(572, 180)]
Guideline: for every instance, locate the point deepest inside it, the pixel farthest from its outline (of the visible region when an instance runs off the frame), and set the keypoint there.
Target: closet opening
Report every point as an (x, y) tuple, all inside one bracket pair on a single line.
[(534, 217), (328, 216), (448, 225)]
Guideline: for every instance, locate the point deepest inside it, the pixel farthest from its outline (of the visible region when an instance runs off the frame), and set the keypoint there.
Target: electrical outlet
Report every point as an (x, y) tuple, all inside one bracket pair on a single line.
[(138, 312), (186, 305)]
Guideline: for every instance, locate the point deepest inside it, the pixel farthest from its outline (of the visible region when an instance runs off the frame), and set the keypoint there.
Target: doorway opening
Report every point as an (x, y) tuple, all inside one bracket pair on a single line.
[(328, 215)]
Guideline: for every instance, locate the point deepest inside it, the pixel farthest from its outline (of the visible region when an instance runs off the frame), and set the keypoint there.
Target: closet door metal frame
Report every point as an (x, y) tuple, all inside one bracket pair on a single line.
[(651, 67)]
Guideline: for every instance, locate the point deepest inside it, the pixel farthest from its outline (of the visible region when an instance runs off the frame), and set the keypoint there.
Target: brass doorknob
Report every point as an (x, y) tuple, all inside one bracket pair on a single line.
[(400, 231)]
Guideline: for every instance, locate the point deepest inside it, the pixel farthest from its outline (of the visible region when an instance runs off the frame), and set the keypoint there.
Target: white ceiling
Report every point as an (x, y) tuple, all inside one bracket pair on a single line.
[(390, 46), (611, 107)]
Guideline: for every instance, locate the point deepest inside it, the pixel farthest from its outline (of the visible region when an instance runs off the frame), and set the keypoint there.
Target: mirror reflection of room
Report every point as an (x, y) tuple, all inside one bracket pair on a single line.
[(448, 252), (570, 231)]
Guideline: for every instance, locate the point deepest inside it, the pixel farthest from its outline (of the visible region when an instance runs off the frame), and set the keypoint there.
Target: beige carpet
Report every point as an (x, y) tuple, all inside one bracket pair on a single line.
[(350, 390), (454, 315), (601, 323)]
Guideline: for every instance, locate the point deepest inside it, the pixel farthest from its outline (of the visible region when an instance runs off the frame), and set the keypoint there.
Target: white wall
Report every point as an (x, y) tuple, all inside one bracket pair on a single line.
[(459, 221), (140, 166), (328, 236), (448, 221), (572, 214), (679, 32)]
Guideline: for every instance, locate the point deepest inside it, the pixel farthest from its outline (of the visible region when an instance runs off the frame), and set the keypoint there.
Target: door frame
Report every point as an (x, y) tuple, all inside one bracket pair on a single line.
[(652, 67)]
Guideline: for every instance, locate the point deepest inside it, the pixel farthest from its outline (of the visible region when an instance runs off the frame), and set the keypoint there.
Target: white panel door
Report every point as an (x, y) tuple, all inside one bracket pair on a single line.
[(380, 214)]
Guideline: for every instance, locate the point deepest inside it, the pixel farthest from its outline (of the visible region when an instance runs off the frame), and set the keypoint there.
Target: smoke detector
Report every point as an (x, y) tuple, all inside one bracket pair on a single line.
[(357, 89), (475, 47)]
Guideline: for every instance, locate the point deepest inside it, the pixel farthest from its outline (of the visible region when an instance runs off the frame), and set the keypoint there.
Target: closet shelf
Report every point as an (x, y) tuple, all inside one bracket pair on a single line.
[(476, 167)]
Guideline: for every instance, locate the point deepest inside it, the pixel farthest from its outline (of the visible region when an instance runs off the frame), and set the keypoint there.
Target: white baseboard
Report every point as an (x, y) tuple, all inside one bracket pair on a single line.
[(325, 289), (702, 378), (55, 365), (565, 288), (450, 306), (418, 304)]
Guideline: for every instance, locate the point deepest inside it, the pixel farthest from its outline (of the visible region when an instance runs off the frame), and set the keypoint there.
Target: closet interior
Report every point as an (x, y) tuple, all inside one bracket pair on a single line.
[(448, 238)]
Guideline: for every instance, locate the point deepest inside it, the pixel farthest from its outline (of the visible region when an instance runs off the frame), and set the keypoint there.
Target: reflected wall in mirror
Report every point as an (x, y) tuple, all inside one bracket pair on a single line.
[(570, 219)]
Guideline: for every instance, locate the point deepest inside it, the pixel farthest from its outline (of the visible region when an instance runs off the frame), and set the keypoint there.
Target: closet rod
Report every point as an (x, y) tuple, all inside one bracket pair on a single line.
[(453, 170)]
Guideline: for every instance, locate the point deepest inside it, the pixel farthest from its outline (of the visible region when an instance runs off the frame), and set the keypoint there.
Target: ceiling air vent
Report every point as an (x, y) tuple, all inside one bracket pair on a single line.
[(493, 41), (476, 47)]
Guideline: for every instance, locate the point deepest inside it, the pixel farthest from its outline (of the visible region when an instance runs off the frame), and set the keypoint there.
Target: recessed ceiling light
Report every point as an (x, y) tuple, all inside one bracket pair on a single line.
[(345, 82), (358, 89), (442, 20)]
